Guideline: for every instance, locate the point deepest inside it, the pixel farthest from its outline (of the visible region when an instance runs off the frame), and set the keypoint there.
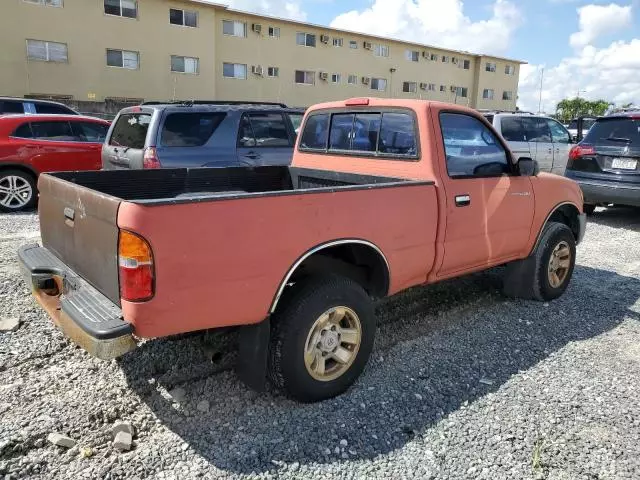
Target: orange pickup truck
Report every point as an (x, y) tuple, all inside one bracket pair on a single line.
[(382, 195)]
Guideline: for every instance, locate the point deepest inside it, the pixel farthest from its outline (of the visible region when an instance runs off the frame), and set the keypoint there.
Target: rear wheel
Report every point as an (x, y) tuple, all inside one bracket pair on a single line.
[(322, 338), (17, 191)]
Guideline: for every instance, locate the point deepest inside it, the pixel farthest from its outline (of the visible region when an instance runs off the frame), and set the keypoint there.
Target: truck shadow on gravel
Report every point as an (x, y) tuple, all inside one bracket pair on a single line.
[(438, 348)]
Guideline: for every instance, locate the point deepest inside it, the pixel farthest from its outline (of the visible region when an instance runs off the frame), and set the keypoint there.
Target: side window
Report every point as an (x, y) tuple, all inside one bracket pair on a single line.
[(12, 107), (512, 129), (90, 131), (47, 108), (296, 120), (559, 134), (269, 130), (397, 134), (471, 149), (316, 132), (189, 129), (245, 134), (23, 131), (536, 129), (54, 131)]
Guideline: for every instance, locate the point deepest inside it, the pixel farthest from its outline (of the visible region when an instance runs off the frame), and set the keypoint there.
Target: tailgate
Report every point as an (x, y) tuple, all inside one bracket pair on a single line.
[(79, 225)]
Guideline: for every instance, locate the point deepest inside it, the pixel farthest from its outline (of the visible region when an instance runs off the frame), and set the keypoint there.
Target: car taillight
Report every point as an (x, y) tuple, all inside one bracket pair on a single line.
[(135, 267), (150, 158), (581, 150)]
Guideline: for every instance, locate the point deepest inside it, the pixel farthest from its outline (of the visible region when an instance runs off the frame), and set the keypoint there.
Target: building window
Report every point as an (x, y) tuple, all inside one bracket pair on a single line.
[(509, 70), (431, 87), (462, 92), (183, 17), (352, 79), (443, 88), (336, 78), (434, 57), (409, 87), (184, 64), (411, 55), (273, 72), (306, 39), (48, 3), (47, 51), (274, 32), (381, 51), (445, 59), (490, 67), (234, 29), (487, 94), (337, 42), (466, 64), (379, 84), (122, 59), (353, 44), (304, 77), (234, 70), (121, 8), (507, 95)]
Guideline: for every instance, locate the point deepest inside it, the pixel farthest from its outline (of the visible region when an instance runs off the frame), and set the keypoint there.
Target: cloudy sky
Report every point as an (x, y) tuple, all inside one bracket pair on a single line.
[(586, 46)]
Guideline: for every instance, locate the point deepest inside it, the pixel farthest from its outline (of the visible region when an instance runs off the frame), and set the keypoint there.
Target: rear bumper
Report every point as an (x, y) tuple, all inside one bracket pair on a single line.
[(83, 314), (600, 191)]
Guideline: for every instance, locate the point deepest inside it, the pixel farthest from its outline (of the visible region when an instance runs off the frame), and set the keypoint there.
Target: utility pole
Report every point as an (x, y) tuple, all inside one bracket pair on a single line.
[(540, 97)]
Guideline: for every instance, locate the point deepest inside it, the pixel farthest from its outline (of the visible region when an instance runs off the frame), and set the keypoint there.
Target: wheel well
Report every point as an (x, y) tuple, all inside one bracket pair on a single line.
[(567, 214), (20, 168), (360, 262)]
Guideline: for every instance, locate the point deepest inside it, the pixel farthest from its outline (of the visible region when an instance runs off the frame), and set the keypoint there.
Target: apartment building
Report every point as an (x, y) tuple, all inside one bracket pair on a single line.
[(192, 49)]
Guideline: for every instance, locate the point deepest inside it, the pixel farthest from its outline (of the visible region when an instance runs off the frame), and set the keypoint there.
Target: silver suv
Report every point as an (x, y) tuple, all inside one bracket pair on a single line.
[(542, 138)]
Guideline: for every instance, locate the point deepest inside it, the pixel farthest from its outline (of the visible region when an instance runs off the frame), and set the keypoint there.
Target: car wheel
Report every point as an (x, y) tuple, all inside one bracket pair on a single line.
[(555, 261), (588, 208), (322, 338), (17, 191)]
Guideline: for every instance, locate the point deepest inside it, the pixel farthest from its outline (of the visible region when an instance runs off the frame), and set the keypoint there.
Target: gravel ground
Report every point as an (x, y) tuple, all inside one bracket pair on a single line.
[(462, 384)]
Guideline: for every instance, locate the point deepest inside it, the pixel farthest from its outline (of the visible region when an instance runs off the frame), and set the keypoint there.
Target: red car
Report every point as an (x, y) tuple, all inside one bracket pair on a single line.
[(33, 144)]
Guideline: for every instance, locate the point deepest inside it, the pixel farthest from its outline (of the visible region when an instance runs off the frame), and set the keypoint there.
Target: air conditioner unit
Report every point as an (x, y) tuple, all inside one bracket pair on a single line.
[(423, 86), (366, 80), (324, 76), (452, 89), (324, 38), (256, 27), (367, 45), (454, 60), (257, 69), (425, 54)]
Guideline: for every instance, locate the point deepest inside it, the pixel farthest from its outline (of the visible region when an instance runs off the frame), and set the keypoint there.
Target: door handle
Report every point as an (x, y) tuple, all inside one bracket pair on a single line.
[(550, 150), (463, 200)]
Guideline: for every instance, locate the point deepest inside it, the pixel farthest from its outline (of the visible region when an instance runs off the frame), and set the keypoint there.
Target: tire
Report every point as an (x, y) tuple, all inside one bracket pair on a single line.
[(297, 327), (589, 209), (17, 191), (553, 236)]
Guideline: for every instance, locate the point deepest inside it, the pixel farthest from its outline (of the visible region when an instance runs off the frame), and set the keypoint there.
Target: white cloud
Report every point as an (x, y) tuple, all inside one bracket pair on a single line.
[(438, 22), (277, 8), (598, 20), (609, 73)]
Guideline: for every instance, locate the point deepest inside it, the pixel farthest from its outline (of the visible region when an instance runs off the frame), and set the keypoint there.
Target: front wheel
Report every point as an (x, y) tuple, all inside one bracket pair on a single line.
[(322, 338), (17, 191)]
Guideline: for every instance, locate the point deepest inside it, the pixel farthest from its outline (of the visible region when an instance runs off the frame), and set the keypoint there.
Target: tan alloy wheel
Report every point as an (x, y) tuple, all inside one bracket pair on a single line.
[(559, 264), (332, 344)]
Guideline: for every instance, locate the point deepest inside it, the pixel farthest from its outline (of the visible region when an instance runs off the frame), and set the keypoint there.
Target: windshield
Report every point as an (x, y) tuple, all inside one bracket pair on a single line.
[(615, 131)]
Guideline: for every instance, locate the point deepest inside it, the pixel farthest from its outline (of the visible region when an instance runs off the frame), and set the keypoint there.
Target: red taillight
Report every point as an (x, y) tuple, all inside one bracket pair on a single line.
[(580, 151), (150, 159), (135, 267)]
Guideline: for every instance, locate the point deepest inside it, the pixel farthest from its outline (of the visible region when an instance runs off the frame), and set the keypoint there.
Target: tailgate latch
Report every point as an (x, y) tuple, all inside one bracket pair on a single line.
[(69, 216)]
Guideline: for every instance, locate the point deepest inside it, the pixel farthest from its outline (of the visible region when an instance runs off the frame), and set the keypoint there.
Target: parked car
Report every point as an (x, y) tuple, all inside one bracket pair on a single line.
[(34, 144), (200, 134), (542, 138), (587, 123), (606, 163), (12, 105), (295, 256)]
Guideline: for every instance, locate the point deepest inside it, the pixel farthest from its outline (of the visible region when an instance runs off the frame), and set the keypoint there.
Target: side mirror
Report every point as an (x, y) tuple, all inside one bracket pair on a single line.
[(527, 167)]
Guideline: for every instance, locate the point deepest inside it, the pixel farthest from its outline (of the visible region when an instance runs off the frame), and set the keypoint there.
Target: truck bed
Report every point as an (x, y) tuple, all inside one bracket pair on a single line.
[(184, 185)]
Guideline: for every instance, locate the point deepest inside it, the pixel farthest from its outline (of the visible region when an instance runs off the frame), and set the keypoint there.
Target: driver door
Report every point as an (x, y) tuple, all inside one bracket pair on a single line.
[(489, 208)]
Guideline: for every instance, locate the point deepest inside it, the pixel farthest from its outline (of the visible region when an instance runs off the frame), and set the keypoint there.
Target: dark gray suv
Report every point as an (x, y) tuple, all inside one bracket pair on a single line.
[(201, 134)]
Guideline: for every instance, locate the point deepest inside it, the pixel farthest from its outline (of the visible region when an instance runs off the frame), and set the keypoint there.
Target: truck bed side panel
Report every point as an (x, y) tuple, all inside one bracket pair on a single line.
[(221, 263)]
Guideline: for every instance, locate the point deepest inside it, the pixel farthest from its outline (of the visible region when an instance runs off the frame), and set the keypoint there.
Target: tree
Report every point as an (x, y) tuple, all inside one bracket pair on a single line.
[(570, 108)]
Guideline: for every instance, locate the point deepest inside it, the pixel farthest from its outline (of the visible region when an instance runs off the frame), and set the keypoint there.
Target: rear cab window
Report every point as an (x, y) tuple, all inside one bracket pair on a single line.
[(189, 129), (130, 130), (367, 133)]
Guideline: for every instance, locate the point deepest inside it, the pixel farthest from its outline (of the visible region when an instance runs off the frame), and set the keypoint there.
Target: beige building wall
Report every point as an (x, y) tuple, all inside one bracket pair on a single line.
[(88, 33)]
